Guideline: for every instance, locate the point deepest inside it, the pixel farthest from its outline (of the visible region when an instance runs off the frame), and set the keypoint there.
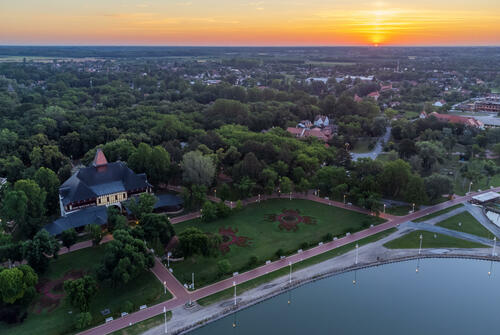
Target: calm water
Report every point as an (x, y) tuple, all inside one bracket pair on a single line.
[(446, 296)]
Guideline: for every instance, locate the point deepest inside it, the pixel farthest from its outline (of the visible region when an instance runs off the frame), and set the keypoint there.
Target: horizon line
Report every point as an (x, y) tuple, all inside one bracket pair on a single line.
[(260, 46)]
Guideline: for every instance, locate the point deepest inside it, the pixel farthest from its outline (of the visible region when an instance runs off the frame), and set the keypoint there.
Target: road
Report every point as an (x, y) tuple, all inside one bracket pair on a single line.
[(377, 150), (182, 296)]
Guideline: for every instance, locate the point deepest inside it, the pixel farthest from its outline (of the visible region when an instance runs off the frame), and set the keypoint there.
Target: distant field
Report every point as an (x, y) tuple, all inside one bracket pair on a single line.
[(495, 90), (327, 64), (41, 59)]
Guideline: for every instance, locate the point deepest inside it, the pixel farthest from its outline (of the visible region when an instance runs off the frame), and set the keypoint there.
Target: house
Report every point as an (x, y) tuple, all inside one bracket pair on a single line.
[(321, 121), (101, 184), (305, 124), (357, 98), (384, 88), (322, 134), (374, 95), (465, 120), (423, 115)]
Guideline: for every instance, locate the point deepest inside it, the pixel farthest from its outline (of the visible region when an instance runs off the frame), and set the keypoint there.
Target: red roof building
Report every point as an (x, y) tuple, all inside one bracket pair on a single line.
[(465, 120)]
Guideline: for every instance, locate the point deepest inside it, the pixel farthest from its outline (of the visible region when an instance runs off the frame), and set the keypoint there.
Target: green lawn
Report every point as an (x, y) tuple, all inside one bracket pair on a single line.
[(412, 241), (438, 213), (228, 293), (146, 289), (461, 188), (468, 225), (363, 145), (399, 210), (266, 237), (142, 326)]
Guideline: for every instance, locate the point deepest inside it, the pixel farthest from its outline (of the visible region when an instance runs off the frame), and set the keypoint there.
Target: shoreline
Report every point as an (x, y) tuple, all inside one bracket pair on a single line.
[(372, 255)]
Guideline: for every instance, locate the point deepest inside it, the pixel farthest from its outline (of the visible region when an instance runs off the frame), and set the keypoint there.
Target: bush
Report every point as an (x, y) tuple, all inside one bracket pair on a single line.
[(83, 320), (253, 261), (280, 252), (224, 266), (239, 205), (304, 245), (328, 237), (128, 307)]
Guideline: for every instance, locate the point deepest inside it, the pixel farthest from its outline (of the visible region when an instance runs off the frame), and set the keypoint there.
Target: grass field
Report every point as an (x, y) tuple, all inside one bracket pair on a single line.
[(142, 326), (146, 289), (461, 188), (399, 210), (468, 225), (226, 294), (266, 237), (438, 213), (363, 145), (412, 241)]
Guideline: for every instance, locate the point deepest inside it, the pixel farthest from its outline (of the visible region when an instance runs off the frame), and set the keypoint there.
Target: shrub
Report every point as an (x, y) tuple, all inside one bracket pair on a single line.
[(83, 320), (304, 245), (253, 261), (280, 252), (328, 237), (224, 266), (128, 307)]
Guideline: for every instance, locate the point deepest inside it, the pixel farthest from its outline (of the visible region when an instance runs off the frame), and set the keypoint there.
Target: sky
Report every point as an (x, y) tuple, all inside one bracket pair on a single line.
[(249, 22)]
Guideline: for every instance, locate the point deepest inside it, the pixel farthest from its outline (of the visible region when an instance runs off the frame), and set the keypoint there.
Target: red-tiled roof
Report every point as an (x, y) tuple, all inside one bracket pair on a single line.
[(99, 159)]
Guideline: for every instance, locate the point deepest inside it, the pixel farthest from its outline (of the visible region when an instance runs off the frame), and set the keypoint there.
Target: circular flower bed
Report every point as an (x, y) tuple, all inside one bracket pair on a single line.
[(229, 237), (289, 219)]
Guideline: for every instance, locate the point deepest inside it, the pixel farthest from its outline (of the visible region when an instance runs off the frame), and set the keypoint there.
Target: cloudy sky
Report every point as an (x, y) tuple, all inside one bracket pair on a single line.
[(250, 22)]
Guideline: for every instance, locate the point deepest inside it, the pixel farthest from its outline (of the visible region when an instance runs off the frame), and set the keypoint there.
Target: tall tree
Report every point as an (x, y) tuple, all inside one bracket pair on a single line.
[(197, 169), (37, 251), (49, 182), (80, 292)]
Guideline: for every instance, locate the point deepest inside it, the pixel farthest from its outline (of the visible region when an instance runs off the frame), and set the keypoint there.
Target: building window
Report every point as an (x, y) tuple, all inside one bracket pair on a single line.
[(116, 197), (107, 199)]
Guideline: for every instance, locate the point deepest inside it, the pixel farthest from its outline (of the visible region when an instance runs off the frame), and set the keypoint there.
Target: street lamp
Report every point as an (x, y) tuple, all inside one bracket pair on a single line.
[(165, 287), (494, 245), (165, 314), (384, 208), (470, 185), (413, 210), (290, 195), (420, 248), (259, 197), (290, 277), (344, 198), (356, 261), (234, 322)]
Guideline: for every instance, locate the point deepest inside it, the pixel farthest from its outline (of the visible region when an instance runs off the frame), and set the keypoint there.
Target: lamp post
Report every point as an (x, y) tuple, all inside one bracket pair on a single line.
[(290, 195), (420, 248), (192, 281), (290, 276), (470, 185), (344, 198), (413, 210), (356, 261), (494, 246), (168, 259), (259, 197), (215, 192), (234, 322), (165, 314), (384, 208), (164, 287)]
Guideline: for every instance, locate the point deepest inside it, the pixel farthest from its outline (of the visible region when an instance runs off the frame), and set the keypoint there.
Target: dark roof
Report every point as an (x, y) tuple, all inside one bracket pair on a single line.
[(91, 182), (83, 217)]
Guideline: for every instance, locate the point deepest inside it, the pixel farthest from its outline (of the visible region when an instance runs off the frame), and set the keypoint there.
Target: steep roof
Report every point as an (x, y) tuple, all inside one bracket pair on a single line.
[(99, 158), (94, 181)]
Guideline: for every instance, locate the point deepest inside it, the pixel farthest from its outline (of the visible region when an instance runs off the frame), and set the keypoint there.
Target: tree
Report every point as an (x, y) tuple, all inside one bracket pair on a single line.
[(68, 237), (415, 190), (142, 205), (158, 165), (80, 292), (17, 283), (394, 177), (431, 153), (37, 251), (224, 266), (126, 258), (436, 185), (224, 192), (36, 196), (157, 226), (193, 241), (245, 187), (49, 182), (209, 211), (83, 320), (197, 169), (15, 207), (95, 232), (286, 185)]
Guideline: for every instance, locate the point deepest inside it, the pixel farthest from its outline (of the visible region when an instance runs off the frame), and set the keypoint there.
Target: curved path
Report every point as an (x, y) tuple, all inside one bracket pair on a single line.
[(182, 297), (377, 150)]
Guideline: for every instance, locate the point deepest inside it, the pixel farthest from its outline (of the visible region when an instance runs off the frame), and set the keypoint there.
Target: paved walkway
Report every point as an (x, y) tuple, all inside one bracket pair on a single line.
[(478, 214), (437, 219), (252, 274), (445, 231), (377, 150)]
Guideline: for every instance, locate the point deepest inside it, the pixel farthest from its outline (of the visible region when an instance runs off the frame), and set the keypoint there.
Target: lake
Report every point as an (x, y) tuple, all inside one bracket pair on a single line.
[(446, 296)]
